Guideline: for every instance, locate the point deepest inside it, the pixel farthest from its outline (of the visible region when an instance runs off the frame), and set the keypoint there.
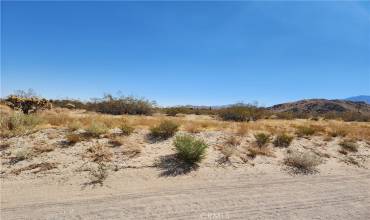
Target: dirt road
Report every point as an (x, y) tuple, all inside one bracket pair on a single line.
[(234, 196)]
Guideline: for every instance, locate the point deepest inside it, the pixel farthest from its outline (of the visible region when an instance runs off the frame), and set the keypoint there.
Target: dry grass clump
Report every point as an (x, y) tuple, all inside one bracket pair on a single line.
[(190, 149), (117, 141), (338, 132), (74, 125), (232, 141), (38, 167), (264, 151), (99, 153), (192, 128), (72, 138), (55, 118), (126, 129), (164, 130), (96, 129), (349, 146), (242, 130), (304, 163), (262, 139), (282, 140)]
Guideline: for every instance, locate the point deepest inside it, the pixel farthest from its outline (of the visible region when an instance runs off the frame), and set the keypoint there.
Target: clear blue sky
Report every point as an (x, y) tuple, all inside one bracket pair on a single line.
[(202, 53)]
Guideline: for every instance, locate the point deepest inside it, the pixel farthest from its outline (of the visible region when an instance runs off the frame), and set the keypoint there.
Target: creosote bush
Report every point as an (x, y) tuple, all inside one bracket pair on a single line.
[(262, 139), (239, 113), (190, 149), (164, 130), (282, 140), (302, 162), (349, 146)]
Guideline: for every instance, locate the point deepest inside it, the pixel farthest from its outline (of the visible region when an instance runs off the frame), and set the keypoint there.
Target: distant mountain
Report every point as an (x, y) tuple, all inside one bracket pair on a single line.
[(360, 98), (322, 106)]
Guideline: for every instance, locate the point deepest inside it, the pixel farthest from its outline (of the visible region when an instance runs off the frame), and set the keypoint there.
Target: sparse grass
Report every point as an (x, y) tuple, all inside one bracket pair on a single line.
[(227, 151), (262, 139), (96, 129), (190, 149), (304, 163), (98, 153), (126, 129), (282, 140), (74, 125), (352, 161), (338, 132), (349, 146), (131, 149), (164, 130)]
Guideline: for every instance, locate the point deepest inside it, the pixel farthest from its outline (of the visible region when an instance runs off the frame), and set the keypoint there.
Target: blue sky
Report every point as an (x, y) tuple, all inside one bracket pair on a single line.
[(202, 53)]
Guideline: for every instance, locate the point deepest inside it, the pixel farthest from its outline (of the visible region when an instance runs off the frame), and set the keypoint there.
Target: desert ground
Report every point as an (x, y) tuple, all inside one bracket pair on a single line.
[(54, 171)]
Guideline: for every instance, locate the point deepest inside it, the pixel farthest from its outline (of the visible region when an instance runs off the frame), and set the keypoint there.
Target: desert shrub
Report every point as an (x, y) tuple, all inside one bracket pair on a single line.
[(164, 130), (172, 111), (349, 145), (302, 162), (122, 105), (242, 130), (241, 112), (282, 140), (227, 151), (262, 139), (96, 129), (27, 104), (18, 123), (73, 138), (126, 129), (304, 131), (190, 149), (19, 155)]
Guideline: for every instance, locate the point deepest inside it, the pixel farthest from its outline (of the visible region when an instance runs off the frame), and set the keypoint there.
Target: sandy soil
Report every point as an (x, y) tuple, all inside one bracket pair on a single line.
[(148, 185)]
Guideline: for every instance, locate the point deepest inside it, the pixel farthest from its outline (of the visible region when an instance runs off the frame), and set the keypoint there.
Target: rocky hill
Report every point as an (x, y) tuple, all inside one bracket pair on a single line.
[(322, 106)]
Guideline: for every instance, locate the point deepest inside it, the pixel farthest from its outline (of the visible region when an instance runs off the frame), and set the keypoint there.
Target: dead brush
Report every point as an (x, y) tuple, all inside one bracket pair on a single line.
[(39, 149), (130, 149), (98, 153), (117, 141), (349, 146), (303, 163), (232, 141), (242, 130), (99, 174), (39, 167)]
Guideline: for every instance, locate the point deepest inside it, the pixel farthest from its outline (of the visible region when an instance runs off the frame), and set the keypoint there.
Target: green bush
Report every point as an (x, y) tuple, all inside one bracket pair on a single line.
[(190, 149), (241, 112), (164, 130), (262, 139), (282, 140)]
